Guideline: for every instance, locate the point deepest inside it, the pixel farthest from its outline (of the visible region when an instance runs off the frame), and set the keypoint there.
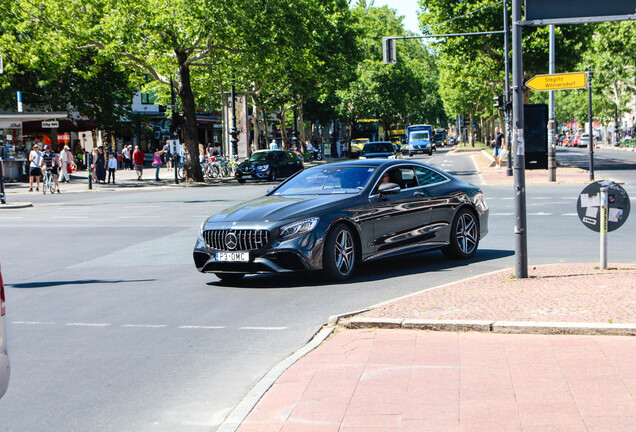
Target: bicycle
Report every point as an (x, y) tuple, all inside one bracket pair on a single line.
[(209, 168), (48, 182)]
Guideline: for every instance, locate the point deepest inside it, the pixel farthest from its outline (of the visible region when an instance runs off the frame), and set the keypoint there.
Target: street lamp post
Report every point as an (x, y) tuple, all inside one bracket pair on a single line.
[(234, 132)]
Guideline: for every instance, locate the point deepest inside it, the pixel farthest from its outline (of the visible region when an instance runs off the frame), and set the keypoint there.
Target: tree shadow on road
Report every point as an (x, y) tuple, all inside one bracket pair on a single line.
[(48, 284)]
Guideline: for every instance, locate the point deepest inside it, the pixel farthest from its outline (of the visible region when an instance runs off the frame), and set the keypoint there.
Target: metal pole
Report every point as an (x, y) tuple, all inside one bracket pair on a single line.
[(3, 199), (604, 209), (234, 132), (521, 241), (590, 145), (551, 123), (507, 90), (89, 167)]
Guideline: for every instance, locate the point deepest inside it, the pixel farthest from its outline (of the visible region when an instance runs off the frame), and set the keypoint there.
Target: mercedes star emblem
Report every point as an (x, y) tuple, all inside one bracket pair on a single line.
[(231, 241)]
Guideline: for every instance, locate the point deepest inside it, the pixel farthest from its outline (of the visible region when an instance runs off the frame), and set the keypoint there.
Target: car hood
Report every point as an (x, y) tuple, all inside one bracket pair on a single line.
[(247, 164), (278, 208)]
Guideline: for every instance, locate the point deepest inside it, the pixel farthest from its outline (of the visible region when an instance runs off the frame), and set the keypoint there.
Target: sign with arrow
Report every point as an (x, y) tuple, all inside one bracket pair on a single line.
[(564, 81)]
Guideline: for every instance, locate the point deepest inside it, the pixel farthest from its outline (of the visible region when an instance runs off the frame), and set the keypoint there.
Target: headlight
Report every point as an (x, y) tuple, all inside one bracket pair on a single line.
[(298, 228), (363, 157), (480, 201), (391, 157), (201, 229), (262, 167)]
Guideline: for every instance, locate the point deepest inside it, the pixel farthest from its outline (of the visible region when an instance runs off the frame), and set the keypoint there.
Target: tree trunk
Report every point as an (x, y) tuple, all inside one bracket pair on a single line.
[(301, 121), (283, 129), (257, 126), (470, 132), (192, 166)]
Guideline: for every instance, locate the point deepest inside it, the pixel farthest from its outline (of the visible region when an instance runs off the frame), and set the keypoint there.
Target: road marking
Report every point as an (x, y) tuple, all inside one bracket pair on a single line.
[(262, 328), (70, 217), (501, 214), (138, 207), (202, 327), (508, 198), (541, 198), (145, 325), (570, 214), (138, 217), (88, 324), (539, 214), (34, 322)]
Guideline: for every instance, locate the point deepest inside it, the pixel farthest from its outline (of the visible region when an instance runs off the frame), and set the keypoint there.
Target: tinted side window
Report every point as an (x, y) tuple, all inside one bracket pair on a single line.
[(427, 177), (291, 157)]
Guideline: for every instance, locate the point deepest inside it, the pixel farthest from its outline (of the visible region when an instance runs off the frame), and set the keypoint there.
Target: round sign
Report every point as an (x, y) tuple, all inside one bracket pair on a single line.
[(589, 203)]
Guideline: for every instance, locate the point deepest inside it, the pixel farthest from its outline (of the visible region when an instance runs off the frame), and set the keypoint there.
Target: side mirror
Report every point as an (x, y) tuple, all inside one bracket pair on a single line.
[(389, 189)]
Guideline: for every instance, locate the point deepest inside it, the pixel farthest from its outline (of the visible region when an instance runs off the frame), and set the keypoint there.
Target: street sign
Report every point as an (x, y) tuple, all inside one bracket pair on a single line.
[(588, 206), (572, 9), (50, 124), (562, 81)]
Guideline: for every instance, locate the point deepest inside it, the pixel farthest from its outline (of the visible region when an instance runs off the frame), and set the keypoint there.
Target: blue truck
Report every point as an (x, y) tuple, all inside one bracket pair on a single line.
[(419, 140)]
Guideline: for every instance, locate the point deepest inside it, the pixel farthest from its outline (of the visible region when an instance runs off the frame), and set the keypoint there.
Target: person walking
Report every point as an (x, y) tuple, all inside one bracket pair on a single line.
[(156, 162), (167, 155), (125, 154), (497, 144), (35, 157), (66, 159), (112, 167), (138, 159), (100, 164)]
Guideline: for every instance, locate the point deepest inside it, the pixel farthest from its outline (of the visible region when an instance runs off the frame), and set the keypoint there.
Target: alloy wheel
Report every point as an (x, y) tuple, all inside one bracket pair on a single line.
[(467, 233), (344, 252)]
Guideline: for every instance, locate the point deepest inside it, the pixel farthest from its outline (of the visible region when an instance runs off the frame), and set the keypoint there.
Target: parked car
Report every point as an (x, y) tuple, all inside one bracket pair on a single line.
[(378, 149), (584, 141), (269, 165), (333, 217), (5, 369)]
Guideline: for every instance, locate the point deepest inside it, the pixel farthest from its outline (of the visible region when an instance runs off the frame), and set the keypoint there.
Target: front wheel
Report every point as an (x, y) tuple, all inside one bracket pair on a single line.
[(340, 255), (464, 236), (273, 175)]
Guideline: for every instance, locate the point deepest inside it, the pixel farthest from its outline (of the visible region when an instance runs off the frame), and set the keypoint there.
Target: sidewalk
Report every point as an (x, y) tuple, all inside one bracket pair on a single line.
[(513, 355)]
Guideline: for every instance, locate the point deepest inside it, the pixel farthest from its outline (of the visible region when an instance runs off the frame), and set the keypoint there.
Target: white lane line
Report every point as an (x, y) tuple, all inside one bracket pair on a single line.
[(34, 322), (138, 217), (541, 198), (202, 327), (540, 214), (508, 198), (88, 324), (501, 214), (70, 217), (262, 328), (570, 214), (145, 325)]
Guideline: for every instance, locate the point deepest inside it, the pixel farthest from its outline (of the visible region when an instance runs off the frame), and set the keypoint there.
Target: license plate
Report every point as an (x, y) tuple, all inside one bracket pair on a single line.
[(233, 256)]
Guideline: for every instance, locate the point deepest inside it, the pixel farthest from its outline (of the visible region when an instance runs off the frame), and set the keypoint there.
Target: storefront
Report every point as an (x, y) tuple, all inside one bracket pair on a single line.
[(16, 139)]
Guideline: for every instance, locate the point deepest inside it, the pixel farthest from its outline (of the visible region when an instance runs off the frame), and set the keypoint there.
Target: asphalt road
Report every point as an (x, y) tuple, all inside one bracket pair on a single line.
[(112, 329)]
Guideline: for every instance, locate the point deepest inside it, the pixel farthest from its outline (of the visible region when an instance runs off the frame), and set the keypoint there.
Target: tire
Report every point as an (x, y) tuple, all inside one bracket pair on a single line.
[(272, 175), (229, 277), (340, 255), (52, 186), (464, 237), (240, 180), (410, 154)]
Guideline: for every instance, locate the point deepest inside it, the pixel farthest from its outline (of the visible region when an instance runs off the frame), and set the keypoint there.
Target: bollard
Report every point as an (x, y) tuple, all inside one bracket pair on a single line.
[(604, 208)]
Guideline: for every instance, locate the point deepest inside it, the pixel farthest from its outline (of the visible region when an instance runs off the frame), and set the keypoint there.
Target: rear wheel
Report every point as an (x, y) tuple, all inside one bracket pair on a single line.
[(230, 277), (273, 175), (464, 236), (340, 255)]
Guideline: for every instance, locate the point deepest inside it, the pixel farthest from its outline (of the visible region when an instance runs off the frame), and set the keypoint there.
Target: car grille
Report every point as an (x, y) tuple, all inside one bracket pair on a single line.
[(243, 240)]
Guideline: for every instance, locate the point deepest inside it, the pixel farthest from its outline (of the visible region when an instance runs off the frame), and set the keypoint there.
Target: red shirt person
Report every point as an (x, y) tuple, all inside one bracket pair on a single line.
[(138, 159)]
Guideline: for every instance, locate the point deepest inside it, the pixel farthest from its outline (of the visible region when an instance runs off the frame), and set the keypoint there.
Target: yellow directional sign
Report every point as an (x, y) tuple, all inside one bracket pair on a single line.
[(563, 81)]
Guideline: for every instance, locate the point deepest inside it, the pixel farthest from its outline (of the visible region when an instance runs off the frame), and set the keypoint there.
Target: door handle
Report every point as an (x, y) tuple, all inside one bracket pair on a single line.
[(419, 194)]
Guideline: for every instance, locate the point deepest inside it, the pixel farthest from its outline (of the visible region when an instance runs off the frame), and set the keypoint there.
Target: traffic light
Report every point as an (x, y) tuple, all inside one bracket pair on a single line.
[(388, 50), (499, 102)]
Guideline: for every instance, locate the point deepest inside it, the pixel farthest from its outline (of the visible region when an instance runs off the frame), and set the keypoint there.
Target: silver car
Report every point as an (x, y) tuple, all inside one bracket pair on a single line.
[(4, 352)]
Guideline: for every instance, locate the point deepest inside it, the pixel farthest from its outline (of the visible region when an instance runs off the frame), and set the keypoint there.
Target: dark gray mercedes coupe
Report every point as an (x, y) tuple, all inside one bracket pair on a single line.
[(333, 217)]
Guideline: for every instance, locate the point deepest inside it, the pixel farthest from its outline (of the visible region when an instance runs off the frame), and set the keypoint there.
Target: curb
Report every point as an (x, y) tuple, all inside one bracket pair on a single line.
[(249, 401), (16, 205), (503, 327)]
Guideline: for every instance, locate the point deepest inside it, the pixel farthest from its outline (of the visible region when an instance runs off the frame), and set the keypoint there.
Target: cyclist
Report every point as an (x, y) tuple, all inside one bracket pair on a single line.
[(50, 162)]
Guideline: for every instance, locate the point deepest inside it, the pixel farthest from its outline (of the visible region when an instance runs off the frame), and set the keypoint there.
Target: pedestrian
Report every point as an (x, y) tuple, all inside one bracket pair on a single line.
[(156, 162), (100, 164), (125, 155), (273, 145), (167, 155), (201, 153), (66, 159), (138, 159), (112, 167), (80, 157), (497, 144), (35, 157)]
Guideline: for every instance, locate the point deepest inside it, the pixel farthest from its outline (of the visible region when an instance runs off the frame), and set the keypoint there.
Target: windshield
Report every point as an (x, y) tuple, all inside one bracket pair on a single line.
[(378, 148), (261, 157), (327, 180), (440, 135), (419, 136)]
